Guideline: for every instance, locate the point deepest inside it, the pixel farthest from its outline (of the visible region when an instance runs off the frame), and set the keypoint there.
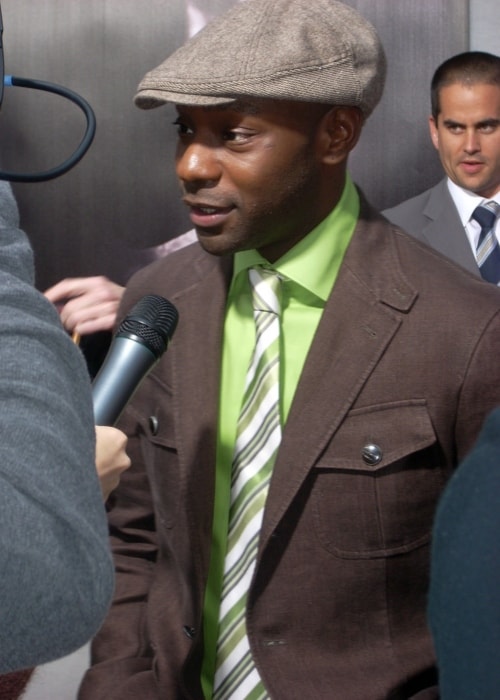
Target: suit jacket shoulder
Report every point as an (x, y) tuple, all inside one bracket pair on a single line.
[(432, 217), (176, 274), (409, 215), (426, 266)]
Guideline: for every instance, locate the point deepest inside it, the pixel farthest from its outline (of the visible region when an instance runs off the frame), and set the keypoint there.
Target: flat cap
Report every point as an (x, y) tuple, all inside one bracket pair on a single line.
[(301, 50)]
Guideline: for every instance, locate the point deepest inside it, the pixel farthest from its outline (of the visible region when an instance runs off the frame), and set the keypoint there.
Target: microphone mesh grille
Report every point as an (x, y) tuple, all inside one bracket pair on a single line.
[(151, 321)]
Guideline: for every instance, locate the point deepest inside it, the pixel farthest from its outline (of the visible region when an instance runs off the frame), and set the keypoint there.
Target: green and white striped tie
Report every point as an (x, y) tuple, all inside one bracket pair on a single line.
[(257, 440)]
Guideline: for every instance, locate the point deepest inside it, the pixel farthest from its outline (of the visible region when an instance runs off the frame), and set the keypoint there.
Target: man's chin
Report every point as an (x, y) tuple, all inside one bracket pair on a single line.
[(215, 244)]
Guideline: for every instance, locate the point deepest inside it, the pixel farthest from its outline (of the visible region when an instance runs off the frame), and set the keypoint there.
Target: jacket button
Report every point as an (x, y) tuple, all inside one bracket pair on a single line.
[(153, 425), (371, 454), (189, 631)]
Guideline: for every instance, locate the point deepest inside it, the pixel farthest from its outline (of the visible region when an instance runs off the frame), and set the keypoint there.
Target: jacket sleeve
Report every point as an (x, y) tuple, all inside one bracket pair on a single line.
[(57, 574)]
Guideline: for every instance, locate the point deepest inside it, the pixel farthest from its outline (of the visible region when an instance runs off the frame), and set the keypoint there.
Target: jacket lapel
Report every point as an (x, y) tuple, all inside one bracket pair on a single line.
[(444, 231), (360, 320)]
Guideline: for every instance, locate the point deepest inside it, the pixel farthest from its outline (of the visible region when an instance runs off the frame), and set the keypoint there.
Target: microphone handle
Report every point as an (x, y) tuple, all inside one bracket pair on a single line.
[(126, 364)]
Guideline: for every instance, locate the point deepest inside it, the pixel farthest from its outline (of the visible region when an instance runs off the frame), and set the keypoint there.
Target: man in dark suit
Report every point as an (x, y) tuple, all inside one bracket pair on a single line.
[(465, 130), (380, 391)]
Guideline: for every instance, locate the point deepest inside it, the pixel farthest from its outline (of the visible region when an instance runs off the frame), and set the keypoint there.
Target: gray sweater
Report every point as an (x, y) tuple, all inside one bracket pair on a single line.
[(56, 573)]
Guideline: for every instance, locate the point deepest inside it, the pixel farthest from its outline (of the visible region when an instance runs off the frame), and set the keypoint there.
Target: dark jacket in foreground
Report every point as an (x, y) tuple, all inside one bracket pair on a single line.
[(406, 358), (464, 602)]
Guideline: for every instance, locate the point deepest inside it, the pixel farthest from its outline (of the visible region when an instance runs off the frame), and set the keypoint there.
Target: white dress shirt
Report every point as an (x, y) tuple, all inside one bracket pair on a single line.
[(465, 202)]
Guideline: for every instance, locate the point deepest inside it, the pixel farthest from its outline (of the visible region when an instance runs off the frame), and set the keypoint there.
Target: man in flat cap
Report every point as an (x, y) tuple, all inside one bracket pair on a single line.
[(328, 371)]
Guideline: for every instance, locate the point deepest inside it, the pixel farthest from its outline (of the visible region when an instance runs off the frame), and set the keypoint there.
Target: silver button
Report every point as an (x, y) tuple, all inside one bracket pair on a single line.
[(371, 454), (153, 425)]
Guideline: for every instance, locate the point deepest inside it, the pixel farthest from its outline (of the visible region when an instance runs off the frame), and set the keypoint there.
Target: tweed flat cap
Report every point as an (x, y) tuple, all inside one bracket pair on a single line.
[(301, 50)]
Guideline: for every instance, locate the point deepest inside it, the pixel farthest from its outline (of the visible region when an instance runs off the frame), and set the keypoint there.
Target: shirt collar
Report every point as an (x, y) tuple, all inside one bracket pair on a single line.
[(466, 201), (313, 262)]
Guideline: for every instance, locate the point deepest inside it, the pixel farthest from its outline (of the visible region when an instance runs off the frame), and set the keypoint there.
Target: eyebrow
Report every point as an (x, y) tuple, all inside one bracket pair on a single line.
[(484, 122)]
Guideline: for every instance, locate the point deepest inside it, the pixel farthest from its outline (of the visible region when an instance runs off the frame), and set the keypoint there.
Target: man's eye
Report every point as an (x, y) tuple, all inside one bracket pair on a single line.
[(182, 129), (235, 135)]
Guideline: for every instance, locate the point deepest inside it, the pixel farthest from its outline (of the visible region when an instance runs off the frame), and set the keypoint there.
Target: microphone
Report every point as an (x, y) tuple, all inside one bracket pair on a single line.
[(140, 341)]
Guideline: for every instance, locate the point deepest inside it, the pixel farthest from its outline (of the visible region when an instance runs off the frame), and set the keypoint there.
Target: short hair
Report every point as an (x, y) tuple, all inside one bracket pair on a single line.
[(469, 68)]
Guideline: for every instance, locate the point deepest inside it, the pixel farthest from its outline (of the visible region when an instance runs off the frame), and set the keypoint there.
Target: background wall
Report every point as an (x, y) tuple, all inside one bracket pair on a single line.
[(101, 217), (484, 22)]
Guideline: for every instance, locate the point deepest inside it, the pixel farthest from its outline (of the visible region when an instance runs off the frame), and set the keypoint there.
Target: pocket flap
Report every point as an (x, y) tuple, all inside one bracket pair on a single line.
[(374, 437)]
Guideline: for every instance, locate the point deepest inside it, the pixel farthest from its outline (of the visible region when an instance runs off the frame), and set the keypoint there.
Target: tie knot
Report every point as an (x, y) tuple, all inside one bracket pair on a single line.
[(486, 215), (266, 289)]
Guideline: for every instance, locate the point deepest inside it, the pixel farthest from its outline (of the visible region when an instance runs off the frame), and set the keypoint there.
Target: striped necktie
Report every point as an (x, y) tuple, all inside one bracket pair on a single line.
[(258, 436), (488, 250)]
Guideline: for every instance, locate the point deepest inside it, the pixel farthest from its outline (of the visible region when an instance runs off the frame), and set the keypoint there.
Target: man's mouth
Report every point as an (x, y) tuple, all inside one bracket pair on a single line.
[(471, 166), (205, 210), (206, 215)]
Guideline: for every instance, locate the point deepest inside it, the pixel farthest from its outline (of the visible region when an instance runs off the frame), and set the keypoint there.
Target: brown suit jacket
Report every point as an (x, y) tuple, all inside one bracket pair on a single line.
[(405, 358)]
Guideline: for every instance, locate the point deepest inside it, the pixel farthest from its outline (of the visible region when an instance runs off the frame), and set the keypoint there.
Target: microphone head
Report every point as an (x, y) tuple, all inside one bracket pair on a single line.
[(152, 322)]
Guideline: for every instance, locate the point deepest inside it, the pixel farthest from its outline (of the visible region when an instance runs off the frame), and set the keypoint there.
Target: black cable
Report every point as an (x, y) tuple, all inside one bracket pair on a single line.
[(84, 145), (1, 59)]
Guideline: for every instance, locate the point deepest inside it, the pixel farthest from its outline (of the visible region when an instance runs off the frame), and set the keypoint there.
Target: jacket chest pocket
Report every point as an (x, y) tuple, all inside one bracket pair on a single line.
[(376, 486)]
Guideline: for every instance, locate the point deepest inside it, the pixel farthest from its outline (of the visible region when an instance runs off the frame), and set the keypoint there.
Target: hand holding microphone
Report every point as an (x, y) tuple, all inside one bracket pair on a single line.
[(111, 458)]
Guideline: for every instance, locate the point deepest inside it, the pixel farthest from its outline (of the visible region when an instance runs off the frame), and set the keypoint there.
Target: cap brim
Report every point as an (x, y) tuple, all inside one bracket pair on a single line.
[(149, 99)]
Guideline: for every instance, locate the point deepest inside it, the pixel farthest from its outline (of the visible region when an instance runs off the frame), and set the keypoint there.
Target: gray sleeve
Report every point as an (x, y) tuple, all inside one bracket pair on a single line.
[(56, 568)]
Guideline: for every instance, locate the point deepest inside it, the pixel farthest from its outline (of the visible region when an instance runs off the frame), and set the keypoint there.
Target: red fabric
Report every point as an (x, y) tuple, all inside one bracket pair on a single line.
[(12, 685)]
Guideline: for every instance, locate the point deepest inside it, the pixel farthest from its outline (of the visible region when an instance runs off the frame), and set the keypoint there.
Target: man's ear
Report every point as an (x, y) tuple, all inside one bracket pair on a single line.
[(433, 130), (340, 131)]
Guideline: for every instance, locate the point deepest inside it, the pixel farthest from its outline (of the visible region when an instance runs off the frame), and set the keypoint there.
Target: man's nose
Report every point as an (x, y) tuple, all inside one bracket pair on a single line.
[(471, 144), (198, 163)]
